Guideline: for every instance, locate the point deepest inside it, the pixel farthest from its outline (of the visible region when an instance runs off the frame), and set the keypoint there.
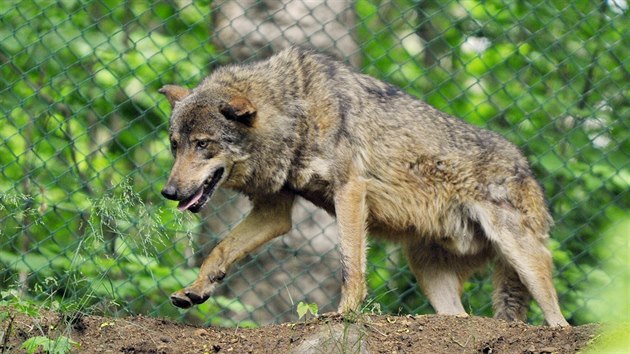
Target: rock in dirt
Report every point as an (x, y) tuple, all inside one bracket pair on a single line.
[(335, 338)]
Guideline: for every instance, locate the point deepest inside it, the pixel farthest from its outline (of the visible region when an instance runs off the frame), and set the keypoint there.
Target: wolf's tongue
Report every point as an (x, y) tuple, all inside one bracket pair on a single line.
[(183, 205)]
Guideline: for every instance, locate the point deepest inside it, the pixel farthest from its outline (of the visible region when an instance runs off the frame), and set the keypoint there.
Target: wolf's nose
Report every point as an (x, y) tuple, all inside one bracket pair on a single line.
[(169, 192)]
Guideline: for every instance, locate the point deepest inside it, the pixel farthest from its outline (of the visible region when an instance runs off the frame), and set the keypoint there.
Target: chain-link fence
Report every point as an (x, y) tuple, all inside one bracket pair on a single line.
[(85, 153)]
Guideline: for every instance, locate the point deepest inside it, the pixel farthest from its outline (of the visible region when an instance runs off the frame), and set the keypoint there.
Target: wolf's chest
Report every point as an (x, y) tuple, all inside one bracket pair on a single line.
[(312, 181)]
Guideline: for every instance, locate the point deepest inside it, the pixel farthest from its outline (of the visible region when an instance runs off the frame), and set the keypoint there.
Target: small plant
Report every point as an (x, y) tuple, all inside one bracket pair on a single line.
[(303, 308), (10, 299), (60, 345), (10, 303)]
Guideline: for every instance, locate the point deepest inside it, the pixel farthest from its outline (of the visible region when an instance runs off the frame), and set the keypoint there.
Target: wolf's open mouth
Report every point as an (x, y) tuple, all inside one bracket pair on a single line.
[(201, 197)]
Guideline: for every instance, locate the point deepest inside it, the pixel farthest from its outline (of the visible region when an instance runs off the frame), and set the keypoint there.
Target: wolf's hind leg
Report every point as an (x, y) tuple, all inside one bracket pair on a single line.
[(525, 251), (441, 275), (510, 298)]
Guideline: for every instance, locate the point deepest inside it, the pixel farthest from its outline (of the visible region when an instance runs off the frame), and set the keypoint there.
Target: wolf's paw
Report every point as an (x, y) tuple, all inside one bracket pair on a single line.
[(559, 323), (199, 291), (187, 298)]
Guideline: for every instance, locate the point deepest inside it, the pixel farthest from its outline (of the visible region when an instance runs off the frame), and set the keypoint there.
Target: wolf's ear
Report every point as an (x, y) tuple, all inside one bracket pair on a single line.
[(239, 109), (174, 93)]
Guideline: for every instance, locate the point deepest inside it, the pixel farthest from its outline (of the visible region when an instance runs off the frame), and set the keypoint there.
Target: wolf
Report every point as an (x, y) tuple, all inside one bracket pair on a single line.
[(382, 162)]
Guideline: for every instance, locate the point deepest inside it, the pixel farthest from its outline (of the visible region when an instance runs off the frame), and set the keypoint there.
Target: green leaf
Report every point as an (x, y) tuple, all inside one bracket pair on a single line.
[(32, 344), (61, 345), (302, 308), (313, 309)]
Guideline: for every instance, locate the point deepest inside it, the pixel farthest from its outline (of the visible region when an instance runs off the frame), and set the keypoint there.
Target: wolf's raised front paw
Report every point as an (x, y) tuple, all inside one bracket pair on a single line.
[(187, 298), (199, 291)]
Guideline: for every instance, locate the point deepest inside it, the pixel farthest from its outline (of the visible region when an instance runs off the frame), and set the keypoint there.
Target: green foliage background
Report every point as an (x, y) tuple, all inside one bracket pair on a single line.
[(84, 151)]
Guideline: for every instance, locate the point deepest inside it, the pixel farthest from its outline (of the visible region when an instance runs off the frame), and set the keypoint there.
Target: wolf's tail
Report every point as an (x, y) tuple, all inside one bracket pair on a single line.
[(511, 298)]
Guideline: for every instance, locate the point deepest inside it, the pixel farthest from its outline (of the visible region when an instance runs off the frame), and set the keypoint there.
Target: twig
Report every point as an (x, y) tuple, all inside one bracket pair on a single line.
[(5, 335), (465, 345), (372, 327)]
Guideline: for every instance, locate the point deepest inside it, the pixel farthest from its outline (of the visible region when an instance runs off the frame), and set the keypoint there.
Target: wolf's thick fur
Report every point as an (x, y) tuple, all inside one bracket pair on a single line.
[(381, 161)]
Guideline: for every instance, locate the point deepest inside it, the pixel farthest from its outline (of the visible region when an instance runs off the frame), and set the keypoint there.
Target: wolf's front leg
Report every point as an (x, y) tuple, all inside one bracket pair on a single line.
[(351, 211), (269, 218)]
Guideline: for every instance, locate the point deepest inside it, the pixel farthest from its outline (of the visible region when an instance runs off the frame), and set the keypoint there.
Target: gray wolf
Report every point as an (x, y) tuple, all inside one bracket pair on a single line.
[(382, 162)]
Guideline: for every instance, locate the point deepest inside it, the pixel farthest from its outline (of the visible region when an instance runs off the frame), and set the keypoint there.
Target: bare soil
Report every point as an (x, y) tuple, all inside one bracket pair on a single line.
[(367, 334)]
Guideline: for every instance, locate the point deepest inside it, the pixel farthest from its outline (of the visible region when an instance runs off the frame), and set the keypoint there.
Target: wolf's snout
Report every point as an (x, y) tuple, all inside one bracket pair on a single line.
[(170, 192)]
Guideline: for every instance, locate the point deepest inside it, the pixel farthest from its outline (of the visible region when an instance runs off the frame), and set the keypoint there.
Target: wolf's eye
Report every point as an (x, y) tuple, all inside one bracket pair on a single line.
[(202, 144), (173, 144)]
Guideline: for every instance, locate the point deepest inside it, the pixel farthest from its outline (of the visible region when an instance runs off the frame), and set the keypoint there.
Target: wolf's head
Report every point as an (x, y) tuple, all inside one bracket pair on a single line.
[(208, 135)]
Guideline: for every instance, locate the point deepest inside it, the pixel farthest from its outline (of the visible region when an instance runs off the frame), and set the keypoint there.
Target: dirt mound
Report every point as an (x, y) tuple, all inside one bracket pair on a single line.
[(367, 334)]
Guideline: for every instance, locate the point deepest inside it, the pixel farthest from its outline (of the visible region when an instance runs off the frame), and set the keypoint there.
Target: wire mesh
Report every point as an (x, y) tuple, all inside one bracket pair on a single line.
[(85, 148)]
